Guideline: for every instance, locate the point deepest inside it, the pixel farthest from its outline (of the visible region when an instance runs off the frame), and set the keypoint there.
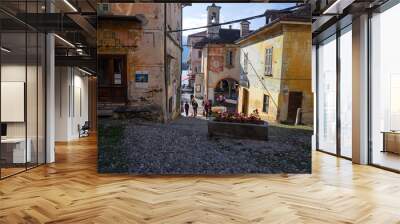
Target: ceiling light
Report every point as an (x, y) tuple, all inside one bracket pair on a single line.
[(70, 5), (338, 6), (64, 40), (84, 71), (5, 50)]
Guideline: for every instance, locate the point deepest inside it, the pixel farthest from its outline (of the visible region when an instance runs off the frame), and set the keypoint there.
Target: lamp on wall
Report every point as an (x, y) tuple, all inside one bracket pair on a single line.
[(84, 71), (5, 50), (64, 40), (70, 5), (337, 7)]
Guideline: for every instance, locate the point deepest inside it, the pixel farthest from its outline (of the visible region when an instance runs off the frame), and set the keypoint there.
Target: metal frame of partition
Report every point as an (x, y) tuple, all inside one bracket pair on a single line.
[(382, 8), (39, 117), (336, 30)]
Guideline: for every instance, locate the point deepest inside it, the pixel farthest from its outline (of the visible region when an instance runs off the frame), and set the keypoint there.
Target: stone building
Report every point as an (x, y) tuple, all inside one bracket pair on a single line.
[(139, 61), (195, 57), (220, 69), (275, 74)]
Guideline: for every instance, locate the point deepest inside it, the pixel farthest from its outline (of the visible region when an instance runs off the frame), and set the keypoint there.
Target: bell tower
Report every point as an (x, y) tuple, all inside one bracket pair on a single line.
[(213, 18)]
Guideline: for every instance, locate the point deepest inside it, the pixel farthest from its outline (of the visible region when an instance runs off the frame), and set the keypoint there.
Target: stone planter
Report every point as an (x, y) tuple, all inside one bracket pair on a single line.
[(238, 130)]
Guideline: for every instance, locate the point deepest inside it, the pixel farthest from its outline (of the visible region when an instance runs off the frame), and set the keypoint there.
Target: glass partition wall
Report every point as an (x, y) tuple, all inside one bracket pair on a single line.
[(385, 89), (327, 95), (22, 77), (346, 95), (334, 94)]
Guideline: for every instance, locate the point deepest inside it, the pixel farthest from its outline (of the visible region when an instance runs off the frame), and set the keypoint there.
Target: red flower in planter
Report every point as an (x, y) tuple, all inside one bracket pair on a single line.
[(253, 118)]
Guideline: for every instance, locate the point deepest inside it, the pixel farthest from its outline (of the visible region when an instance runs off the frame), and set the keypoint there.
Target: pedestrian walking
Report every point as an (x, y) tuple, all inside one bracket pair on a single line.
[(209, 108), (186, 108), (206, 108), (194, 106)]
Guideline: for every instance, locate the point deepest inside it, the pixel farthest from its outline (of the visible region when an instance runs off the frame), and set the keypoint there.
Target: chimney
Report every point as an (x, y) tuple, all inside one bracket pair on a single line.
[(244, 28)]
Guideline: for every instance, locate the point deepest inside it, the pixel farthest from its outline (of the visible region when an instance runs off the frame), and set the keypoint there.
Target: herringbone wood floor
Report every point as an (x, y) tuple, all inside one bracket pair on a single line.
[(70, 191)]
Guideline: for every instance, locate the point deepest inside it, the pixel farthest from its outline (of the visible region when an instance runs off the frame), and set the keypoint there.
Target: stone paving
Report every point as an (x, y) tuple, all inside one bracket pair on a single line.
[(182, 147)]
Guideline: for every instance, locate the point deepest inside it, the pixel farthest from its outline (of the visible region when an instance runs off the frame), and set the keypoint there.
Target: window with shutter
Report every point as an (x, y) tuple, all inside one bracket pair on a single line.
[(245, 62), (268, 61), (229, 58)]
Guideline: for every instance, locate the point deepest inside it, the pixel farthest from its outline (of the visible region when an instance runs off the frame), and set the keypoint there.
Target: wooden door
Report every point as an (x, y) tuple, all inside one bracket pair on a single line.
[(245, 102), (295, 101), (112, 78)]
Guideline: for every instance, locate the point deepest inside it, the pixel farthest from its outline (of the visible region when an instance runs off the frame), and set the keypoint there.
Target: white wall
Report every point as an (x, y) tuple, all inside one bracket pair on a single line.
[(71, 102), (33, 125)]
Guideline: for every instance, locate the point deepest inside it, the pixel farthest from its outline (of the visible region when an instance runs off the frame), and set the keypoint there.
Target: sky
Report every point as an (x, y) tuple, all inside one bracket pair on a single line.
[(196, 15)]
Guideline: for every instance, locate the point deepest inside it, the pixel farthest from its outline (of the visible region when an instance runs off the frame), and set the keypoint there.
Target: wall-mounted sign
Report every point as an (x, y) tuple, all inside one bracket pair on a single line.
[(141, 76), (142, 79), (198, 88), (117, 79)]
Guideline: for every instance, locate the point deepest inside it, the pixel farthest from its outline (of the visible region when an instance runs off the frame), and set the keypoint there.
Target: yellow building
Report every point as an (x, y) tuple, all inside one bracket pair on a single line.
[(275, 74)]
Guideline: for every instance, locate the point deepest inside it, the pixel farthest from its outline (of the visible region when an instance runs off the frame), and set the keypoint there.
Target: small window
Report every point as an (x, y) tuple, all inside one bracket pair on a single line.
[(265, 104), (213, 18), (268, 61), (199, 54), (245, 62), (229, 58)]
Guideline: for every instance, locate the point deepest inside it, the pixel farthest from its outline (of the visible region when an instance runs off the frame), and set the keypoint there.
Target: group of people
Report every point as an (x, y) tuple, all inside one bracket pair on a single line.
[(206, 105)]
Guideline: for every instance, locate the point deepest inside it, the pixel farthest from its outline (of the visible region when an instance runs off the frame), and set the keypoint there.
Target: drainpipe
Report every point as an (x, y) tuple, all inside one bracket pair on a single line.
[(208, 73), (180, 75), (165, 65)]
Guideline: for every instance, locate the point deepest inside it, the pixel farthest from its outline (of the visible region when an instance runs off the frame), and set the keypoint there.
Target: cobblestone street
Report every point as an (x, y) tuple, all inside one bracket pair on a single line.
[(182, 147)]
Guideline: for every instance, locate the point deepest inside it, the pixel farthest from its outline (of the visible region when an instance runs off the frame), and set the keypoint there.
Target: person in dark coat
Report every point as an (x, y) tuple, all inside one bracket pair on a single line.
[(186, 108), (206, 108), (194, 105)]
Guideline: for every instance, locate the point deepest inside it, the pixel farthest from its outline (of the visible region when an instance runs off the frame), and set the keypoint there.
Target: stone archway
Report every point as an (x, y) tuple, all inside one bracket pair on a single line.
[(226, 92)]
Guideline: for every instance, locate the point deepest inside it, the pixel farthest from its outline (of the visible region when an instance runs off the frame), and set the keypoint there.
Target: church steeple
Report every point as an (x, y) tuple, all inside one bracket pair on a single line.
[(213, 18)]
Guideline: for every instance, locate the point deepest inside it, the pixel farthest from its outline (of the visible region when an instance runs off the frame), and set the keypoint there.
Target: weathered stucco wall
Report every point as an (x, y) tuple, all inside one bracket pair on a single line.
[(259, 83), (217, 69), (291, 71), (204, 64), (143, 45), (296, 69), (195, 60), (174, 54), (198, 88)]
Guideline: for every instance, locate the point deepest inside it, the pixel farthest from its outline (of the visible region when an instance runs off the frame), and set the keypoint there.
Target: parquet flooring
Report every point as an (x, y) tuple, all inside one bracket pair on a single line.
[(71, 191)]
